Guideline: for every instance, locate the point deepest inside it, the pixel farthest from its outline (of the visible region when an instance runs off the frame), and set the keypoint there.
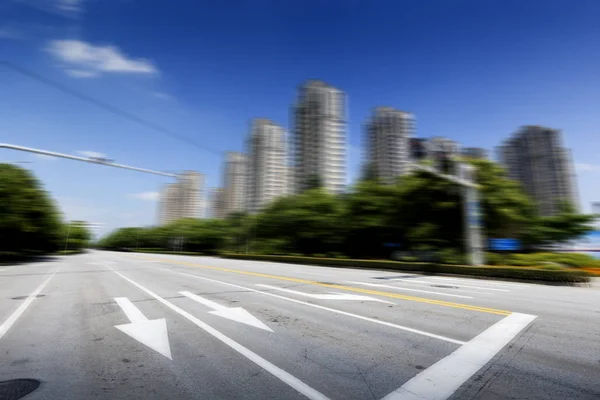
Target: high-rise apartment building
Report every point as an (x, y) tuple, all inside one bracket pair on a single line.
[(184, 199), (474, 152), (388, 146), (319, 137), (267, 164), (235, 182), (535, 157), (217, 203)]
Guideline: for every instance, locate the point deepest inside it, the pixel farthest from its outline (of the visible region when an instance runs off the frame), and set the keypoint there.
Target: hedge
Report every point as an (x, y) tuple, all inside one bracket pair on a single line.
[(549, 275)]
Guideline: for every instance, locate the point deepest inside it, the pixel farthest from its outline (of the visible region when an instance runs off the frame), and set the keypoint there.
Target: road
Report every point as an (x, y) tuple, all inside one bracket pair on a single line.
[(105, 325)]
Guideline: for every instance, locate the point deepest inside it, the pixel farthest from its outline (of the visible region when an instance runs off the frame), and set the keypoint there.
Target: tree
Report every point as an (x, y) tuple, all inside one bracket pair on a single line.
[(367, 216), (77, 235), (29, 220), (567, 225), (314, 182)]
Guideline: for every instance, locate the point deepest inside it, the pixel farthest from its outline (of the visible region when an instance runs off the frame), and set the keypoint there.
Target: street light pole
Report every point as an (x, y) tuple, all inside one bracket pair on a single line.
[(92, 160)]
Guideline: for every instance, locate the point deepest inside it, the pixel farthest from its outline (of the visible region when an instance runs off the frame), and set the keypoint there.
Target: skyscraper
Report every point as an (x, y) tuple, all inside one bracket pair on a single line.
[(184, 199), (267, 164), (388, 135), (319, 137), (535, 157), (235, 182), (217, 203)]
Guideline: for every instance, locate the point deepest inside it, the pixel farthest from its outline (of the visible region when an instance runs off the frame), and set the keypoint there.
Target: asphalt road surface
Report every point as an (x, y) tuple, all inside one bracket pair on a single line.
[(105, 325)]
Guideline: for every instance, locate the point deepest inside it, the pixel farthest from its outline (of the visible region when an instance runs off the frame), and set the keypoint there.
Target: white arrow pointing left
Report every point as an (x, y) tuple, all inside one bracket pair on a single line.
[(334, 296), (152, 333)]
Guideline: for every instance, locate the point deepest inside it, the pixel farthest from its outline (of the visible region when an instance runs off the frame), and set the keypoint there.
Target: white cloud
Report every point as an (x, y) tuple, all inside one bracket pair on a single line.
[(81, 73), (7, 33), (585, 167), (70, 5), (162, 96), (84, 59), (91, 154), (146, 196)]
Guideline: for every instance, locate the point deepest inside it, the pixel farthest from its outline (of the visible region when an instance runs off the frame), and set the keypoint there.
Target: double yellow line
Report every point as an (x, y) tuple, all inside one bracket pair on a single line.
[(341, 287)]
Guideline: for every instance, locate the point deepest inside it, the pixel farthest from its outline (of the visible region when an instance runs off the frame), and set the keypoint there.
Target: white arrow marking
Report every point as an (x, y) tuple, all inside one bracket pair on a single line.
[(152, 333), (237, 314), (335, 296)]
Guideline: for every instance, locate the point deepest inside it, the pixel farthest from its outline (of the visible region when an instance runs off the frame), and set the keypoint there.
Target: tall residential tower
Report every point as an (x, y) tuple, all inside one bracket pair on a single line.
[(235, 182), (388, 146), (535, 157), (267, 164), (319, 137)]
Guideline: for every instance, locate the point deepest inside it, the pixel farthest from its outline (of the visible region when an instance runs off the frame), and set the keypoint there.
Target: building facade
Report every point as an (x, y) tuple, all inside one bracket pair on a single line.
[(217, 203), (388, 136), (235, 182), (184, 199), (535, 157), (267, 164), (319, 137), (474, 152)]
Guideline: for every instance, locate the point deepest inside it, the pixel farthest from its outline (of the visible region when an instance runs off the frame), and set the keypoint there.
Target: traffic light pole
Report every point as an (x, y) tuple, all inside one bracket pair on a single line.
[(471, 210), (92, 160)]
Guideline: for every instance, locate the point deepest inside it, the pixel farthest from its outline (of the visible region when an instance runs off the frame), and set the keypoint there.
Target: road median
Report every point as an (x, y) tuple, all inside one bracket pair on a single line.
[(562, 276)]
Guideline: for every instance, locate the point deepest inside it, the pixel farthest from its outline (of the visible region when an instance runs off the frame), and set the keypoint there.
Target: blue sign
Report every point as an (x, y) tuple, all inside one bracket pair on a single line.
[(392, 245), (504, 244)]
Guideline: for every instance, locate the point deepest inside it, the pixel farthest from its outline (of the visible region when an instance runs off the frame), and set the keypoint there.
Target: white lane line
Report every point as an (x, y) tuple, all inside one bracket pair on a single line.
[(480, 282), (455, 284), (407, 289), (348, 314), (3, 269), (443, 378), (284, 376), (22, 307)]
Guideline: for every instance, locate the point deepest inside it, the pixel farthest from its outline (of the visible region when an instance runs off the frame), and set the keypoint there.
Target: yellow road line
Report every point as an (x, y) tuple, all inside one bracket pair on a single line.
[(341, 287)]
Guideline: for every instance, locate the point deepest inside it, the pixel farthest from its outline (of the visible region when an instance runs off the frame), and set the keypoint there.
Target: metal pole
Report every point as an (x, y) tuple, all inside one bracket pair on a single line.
[(67, 239), (84, 159)]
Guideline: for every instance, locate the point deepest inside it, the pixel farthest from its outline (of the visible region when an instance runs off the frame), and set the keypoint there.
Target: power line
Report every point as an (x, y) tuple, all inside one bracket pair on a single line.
[(107, 107)]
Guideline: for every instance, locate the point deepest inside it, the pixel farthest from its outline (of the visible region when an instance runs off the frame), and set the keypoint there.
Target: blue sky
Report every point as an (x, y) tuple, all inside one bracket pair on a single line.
[(470, 70)]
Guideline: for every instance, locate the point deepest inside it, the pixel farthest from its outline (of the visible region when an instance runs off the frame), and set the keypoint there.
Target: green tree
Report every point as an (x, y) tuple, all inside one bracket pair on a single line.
[(77, 235), (567, 225), (29, 220)]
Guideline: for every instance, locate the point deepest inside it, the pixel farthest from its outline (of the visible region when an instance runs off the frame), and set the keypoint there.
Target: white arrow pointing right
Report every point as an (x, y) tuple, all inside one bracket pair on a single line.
[(237, 314), (152, 333)]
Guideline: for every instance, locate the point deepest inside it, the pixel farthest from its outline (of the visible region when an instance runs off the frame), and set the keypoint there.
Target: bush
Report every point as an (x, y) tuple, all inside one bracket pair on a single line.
[(550, 275)]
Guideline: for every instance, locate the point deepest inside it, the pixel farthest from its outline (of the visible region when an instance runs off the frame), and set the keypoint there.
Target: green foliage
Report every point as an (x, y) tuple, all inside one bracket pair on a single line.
[(77, 235), (29, 220), (538, 274), (563, 227)]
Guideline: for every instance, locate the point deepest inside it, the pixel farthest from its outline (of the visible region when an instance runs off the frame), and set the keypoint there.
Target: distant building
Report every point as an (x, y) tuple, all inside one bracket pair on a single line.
[(217, 203), (443, 145), (388, 146), (418, 149), (474, 152), (319, 137), (267, 164), (534, 156), (235, 182), (184, 199)]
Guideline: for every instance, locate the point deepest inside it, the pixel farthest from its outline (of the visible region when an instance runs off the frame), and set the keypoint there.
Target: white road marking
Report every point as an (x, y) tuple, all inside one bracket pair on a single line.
[(279, 373), (512, 285), (455, 284), (152, 333), (348, 314), (335, 296), (237, 314), (443, 378), (22, 307), (3, 269), (407, 289)]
